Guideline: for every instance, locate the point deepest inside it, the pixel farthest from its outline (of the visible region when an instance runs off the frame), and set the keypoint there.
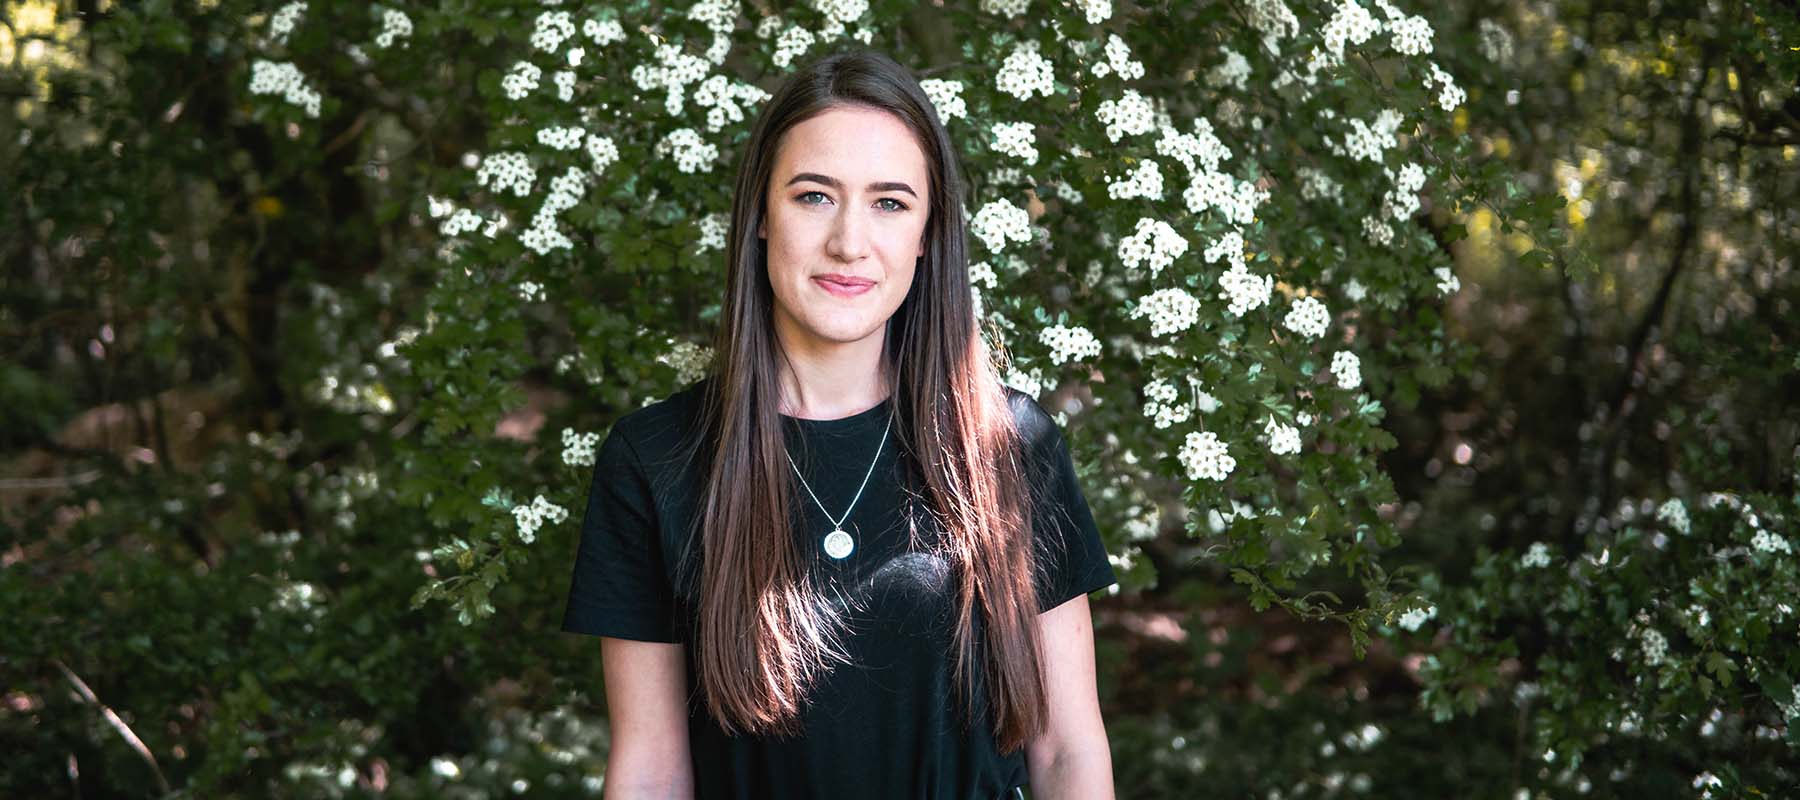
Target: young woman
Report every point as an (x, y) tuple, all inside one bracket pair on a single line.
[(849, 562)]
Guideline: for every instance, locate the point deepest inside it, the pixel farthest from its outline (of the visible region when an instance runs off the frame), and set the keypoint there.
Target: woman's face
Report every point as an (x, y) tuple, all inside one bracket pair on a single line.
[(846, 206)]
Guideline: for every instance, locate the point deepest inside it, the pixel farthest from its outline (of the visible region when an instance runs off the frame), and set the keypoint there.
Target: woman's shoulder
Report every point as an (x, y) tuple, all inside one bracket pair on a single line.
[(658, 429)]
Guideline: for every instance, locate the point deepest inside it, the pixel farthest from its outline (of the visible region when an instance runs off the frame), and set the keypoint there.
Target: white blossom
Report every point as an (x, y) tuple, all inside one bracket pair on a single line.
[(531, 291), (1229, 247), (284, 20), (713, 228), (533, 516), (1377, 231), (1447, 283), (1016, 139), (691, 152), (1402, 201), (1536, 557), (1205, 456), (603, 31), (1283, 439), (1496, 43), (1118, 61), (1169, 310), (1766, 542), (1244, 289), (842, 12), (601, 151), (1095, 11), (1200, 151), (1234, 71), (792, 42), (1154, 243), (1316, 185), (1025, 72), (521, 80), (1129, 115), (1675, 514), (1160, 405), (565, 84), (285, 79), (999, 222), (561, 138), (1308, 317), (502, 171), (690, 360), (1414, 619), (1449, 95), (1146, 181), (1410, 36), (1654, 646), (727, 100), (1069, 343), (552, 29), (946, 97), (1347, 368), (394, 25), (1005, 8)]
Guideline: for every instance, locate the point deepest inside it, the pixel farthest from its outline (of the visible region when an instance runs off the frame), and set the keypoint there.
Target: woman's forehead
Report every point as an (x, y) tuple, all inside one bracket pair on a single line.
[(856, 145)]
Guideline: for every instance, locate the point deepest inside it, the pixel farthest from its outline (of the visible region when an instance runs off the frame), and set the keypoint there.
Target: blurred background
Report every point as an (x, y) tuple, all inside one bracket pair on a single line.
[(224, 563)]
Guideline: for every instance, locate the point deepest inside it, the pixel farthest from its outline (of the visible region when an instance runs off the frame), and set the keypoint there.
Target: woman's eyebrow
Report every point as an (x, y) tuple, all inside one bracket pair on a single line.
[(878, 186)]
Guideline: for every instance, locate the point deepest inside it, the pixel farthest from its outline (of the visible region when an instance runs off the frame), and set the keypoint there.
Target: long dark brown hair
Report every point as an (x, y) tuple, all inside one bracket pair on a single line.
[(765, 634)]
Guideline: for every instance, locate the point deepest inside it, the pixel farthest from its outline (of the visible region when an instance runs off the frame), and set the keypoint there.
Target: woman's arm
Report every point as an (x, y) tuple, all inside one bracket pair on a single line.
[(646, 702), (1072, 759)]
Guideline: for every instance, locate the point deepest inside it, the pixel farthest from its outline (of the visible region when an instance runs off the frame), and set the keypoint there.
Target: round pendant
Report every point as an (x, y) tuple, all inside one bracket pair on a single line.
[(839, 544)]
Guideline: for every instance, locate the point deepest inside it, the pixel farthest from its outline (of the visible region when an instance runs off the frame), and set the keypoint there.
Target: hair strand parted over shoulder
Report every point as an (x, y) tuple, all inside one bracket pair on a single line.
[(765, 635)]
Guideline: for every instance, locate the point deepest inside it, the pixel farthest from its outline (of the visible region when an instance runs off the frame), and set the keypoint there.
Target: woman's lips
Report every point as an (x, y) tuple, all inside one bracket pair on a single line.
[(851, 289)]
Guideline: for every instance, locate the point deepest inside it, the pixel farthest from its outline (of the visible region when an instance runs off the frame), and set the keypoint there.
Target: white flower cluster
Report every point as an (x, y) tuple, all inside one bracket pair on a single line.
[(1414, 619), (1449, 94), (1146, 181), (285, 19), (1349, 24), (533, 516), (565, 191), (1274, 20), (1200, 151), (603, 31), (1496, 41), (1447, 283), (552, 29), (1129, 115), (561, 138), (1169, 310), (1376, 231), (521, 80), (1766, 542), (1005, 8), (982, 274), (1308, 317), (842, 12), (999, 222), (691, 152), (1536, 557), (1160, 405), (1234, 71), (1368, 141), (502, 171), (1283, 439), (1316, 185), (1244, 290), (1236, 201), (1402, 201), (460, 222), (1095, 11), (578, 448), (1118, 61), (601, 151), (1655, 647), (673, 71), (1347, 368), (1025, 72), (1069, 343), (720, 17), (1409, 36), (1229, 247), (713, 228), (394, 25), (1206, 457), (565, 81), (946, 97), (722, 97), (1016, 139), (1154, 242), (531, 291), (283, 78), (1674, 513), (791, 44), (689, 360)]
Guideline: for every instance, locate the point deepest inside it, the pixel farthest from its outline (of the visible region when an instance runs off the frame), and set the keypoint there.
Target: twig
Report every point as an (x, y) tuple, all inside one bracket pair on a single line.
[(125, 732)]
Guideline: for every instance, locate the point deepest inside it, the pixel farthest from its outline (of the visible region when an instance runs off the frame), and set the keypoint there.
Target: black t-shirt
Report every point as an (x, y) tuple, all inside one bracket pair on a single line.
[(889, 725)]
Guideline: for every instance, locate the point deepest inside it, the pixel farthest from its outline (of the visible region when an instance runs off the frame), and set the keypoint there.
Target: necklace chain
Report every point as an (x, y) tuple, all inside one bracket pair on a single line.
[(839, 523)]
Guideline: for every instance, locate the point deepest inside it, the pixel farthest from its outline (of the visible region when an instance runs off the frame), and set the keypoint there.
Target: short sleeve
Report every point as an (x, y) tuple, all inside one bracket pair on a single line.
[(619, 587), (1072, 555)]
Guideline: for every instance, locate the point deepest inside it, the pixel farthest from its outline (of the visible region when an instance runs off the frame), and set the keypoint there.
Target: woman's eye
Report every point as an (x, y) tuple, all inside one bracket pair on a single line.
[(803, 198), (897, 205)]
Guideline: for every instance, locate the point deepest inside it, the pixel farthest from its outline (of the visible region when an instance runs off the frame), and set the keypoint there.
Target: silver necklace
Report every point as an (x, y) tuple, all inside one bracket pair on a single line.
[(838, 543)]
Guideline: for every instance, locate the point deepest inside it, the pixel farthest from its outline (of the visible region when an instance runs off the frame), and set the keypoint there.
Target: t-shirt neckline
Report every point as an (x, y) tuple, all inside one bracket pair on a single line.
[(874, 415)]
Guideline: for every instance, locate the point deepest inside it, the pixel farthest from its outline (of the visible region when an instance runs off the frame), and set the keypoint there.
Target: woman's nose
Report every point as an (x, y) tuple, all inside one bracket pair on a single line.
[(849, 239)]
